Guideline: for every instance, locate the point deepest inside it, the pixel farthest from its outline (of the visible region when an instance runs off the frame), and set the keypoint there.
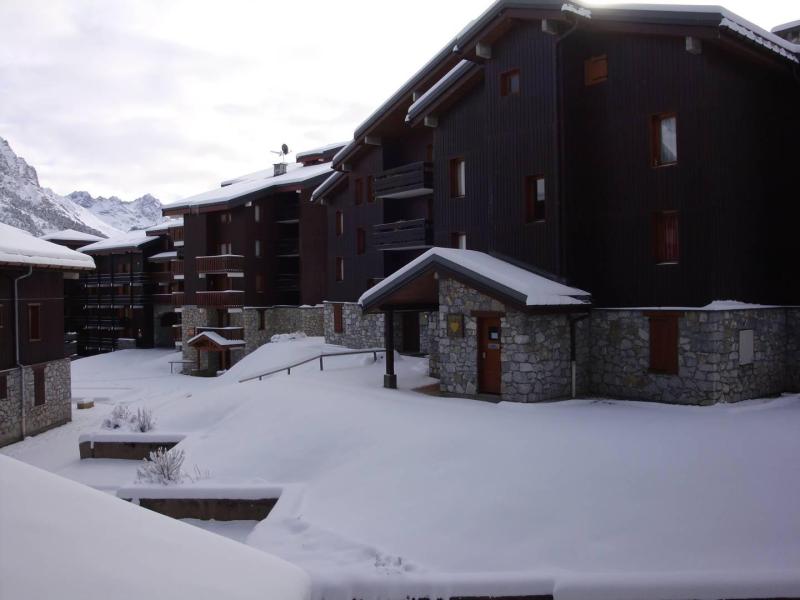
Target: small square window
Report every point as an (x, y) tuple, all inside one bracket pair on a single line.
[(595, 70), (259, 283), (509, 83), (339, 268), (34, 322), (535, 199), (257, 213), (666, 237), (458, 240), (458, 177), (665, 140)]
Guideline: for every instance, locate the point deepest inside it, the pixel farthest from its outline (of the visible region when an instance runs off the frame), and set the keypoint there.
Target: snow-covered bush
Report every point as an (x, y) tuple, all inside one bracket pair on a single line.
[(119, 417), (143, 420), (163, 466)]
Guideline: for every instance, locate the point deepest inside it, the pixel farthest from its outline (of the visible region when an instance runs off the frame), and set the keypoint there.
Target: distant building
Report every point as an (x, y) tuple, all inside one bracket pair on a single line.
[(35, 381)]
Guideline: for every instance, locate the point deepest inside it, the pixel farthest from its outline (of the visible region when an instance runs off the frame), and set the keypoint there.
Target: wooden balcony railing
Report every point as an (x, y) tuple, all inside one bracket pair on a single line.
[(402, 235), (177, 298), (229, 333), (407, 181), (176, 267), (227, 299), (162, 298), (224, 263)]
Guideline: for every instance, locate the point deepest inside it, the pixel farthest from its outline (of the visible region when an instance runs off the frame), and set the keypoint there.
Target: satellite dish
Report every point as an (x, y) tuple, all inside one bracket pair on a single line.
[(285, 149)]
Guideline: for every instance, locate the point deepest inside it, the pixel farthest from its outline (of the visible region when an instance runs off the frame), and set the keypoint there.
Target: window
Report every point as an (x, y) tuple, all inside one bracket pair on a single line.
[(458, 240), (429, 153), (257, 213), (338, 320), (370, 189), (339, 223), (225, 217), (34, 322), (339, 268), (359, 191), (262, 319), (534, 199), (258, 248), (665, 140), (361, 241), (38, 386), (225, 248), (259, 283), (664, 344), (666, 239), (3, 387), (746, 347), (2, 316), (595, 70), (509, 83), (457, 177)]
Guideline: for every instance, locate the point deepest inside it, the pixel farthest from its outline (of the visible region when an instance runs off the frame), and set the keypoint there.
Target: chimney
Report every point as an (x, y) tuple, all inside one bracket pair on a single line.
[(280, 169)]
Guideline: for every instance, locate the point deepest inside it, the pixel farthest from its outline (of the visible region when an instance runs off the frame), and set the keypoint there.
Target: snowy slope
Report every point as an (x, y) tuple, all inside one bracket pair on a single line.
[(96, 546), (26, 205)]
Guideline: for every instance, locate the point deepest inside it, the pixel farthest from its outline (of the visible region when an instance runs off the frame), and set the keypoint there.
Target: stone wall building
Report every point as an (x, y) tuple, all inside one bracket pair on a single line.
[(35, 381)]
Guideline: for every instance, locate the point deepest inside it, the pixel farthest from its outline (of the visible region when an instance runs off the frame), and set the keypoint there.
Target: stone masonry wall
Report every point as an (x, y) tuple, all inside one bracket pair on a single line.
[(360, 330), (56, 410), (708, 357), (193, 317)]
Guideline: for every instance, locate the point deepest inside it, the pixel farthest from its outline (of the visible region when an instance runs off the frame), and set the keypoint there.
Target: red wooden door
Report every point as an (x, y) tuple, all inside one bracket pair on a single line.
[(489, 368)]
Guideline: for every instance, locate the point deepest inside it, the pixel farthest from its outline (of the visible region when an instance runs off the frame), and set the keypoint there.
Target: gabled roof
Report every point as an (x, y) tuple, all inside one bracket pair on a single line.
[(215, 339), (330, 184), (165, 226), (462, 72), (259, 182), (488, 273), (324, 153), (20, 248), (70, 235), (133, 240)]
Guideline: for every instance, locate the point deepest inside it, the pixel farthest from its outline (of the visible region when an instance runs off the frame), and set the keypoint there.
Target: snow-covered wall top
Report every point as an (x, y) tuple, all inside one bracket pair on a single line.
[(19, 247)]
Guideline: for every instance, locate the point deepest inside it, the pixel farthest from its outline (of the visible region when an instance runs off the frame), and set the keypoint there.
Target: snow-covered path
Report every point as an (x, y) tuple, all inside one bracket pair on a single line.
[(394, 490)]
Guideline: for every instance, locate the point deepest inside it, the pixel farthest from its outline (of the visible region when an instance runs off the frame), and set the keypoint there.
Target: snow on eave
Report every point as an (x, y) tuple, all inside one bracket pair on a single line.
[(321, 150), (298, 175), (164, 256), (451, 78), (578, 10), (166, 225), (769, 41), (19, 248), (216, 339), (70, 235), (328, 185), (527, 288), (785, 27), (132, 240)]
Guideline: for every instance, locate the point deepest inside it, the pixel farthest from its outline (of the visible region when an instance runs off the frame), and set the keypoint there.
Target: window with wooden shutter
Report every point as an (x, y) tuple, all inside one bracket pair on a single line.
[(3, 387), (664, 344), (359, 191), (259, 283), (361, 241), (595, 70), (39, 394), (338, 320), (458, 177), (339, 223), (664, 139), (34, 322), (666, 237)]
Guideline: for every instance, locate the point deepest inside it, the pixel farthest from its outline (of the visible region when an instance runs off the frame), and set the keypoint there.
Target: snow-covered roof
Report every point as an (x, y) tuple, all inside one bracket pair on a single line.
[(327, 185), (452, 77), (258, 182), (19, 247), (260, 174), (785, 26), (98, 546), (526, 288), (166, 226), (321, 150), (130, 240), (215, 338), (70, 235), (162, 256)]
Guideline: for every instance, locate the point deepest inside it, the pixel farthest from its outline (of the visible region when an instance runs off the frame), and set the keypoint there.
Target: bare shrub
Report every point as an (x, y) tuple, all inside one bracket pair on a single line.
[(143, 420), (163, 466), (120, 415)]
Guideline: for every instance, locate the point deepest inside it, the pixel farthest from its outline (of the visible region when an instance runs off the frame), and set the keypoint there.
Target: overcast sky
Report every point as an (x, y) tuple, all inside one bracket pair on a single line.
[(172, 96)]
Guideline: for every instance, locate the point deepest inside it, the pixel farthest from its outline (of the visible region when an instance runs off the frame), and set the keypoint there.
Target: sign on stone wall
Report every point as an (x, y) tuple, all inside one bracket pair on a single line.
[(455, 325)]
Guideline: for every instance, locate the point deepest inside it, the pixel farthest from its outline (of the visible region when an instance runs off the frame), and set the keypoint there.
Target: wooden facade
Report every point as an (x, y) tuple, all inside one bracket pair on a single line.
[(579, 118)]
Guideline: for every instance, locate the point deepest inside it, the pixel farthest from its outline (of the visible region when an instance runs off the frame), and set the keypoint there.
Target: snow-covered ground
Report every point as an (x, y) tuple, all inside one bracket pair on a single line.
[(393, 493)]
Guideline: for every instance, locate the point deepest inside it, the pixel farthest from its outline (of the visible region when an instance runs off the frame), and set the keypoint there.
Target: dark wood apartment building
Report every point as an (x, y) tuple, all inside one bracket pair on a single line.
[(35, 384), (643, 155), (255, 242)]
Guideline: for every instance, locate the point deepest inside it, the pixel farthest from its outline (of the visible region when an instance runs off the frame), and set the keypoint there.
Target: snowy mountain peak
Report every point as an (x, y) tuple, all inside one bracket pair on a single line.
[(37, 210)]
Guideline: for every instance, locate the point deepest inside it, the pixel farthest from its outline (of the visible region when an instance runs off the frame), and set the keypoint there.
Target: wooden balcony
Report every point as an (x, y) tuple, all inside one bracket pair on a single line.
[(402, 235), (162, 298), (229, 333), (224, 263), (226, 299), (287, 282), (407, 181), (176, 268), (177, 298), (161, 276)]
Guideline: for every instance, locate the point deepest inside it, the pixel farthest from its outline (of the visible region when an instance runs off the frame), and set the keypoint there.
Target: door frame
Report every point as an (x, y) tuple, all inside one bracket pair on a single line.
[(482, 317)]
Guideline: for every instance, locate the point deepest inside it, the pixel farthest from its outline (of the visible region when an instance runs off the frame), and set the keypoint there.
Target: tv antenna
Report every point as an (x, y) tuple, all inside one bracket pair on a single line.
[(283, 152)]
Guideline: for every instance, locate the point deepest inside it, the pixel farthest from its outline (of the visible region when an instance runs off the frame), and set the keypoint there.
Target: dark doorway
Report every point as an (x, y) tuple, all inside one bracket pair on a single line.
[(410, 323), (489, 367)]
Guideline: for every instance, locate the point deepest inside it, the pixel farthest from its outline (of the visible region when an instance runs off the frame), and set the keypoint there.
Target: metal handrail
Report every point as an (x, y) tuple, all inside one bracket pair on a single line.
[(320, 357)]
